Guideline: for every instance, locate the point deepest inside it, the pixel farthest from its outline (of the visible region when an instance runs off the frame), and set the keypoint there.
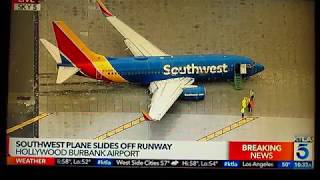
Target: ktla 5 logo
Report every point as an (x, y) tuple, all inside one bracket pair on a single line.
[(303, 151)]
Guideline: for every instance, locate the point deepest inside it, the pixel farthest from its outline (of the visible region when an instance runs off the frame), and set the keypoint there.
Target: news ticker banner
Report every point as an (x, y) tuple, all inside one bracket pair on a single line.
[(121, 149), (157, 163), (26, 5), (131, 153)]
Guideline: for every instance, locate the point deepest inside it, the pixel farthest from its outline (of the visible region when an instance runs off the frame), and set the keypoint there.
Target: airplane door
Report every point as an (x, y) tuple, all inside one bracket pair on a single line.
[(98, 75), (243, 68), (240, 68)]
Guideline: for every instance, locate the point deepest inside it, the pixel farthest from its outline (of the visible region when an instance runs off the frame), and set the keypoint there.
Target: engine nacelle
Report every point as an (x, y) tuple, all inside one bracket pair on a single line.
[(194, 93)]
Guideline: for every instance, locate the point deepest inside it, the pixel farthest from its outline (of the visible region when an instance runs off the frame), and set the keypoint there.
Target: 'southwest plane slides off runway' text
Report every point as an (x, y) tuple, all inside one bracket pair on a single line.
[(169, 77)]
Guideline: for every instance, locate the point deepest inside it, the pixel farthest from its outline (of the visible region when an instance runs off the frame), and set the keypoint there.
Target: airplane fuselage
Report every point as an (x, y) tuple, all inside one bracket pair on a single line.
[(143, 70)]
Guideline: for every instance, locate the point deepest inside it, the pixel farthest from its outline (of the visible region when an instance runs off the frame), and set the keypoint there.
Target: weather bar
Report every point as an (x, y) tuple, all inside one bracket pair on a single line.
[(184, 163), (160, 163)]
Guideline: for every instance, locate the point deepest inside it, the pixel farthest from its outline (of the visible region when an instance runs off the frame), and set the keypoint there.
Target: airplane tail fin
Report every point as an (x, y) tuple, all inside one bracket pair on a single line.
[(65, 68), (76, 56)]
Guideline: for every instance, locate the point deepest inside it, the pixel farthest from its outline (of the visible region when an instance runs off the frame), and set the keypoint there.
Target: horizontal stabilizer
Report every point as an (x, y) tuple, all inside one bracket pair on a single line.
[(53, 50), (65, 73)]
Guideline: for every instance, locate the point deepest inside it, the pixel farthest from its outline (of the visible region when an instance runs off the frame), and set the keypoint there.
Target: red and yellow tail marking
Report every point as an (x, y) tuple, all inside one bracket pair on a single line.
[(105, 68), (81, 56)]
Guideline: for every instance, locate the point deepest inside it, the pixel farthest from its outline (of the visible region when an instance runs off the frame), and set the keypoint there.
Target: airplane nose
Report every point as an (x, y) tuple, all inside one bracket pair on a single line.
[(259, 68)]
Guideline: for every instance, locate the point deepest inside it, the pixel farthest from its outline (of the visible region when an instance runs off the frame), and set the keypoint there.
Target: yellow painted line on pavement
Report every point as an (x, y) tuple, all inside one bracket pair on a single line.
[(120, 128), (27, 122), (227, 128)]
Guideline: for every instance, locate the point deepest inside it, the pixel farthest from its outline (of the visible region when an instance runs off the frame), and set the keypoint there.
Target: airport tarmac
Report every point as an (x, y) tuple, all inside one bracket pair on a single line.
[(182, 127), (278, 34)]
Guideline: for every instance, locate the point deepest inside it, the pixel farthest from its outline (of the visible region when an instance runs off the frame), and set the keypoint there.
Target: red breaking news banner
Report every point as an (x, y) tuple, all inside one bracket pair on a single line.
[(261, 151), (30, 161)]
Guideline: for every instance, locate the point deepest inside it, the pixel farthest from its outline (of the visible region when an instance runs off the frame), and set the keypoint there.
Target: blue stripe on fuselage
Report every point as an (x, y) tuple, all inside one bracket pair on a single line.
[(144, 70)]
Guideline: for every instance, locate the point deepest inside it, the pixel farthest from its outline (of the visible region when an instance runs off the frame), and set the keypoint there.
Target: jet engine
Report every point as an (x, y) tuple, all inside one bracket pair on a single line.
[(193, 92)]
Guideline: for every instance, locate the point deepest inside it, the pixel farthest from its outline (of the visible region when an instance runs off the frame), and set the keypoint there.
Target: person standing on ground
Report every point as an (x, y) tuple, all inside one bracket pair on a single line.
[(251, 106), (251, 102), (251, 94), (243, 106)]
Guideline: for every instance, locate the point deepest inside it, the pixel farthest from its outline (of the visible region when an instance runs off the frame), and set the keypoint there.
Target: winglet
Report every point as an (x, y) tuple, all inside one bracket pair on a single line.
[(146, 116), (103, 9)]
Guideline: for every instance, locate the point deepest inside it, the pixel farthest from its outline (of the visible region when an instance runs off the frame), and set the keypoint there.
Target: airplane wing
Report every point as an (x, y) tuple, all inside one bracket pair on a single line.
[(137, 44), (165, 93)]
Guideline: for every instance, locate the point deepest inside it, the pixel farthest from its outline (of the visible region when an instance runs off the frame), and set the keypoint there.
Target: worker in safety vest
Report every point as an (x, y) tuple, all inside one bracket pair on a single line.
[(244, 105), (242, 112)]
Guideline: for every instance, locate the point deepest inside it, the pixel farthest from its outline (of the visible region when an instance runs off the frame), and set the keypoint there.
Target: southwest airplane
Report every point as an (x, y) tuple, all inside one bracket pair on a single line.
[(169, 77)]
